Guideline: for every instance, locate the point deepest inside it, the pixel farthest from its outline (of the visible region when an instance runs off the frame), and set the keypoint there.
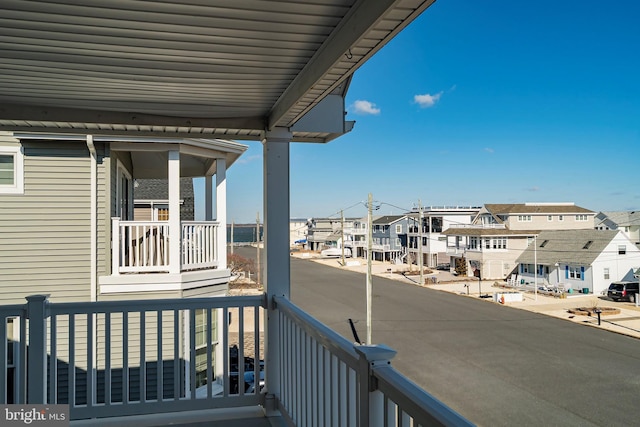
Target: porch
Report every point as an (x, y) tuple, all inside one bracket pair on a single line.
[(120, 363)]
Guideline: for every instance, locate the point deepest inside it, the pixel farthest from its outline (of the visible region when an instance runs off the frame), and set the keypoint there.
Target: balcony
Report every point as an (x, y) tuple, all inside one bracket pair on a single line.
[(128, 362), (142, 256), (143, 246)]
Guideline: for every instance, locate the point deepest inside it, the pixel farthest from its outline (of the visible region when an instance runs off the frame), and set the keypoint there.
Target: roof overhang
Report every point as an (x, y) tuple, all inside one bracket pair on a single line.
[(202, 69)]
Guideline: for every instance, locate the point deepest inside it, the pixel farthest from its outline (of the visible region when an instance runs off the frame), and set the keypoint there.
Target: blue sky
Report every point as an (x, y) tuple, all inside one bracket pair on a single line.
[(479, 102)]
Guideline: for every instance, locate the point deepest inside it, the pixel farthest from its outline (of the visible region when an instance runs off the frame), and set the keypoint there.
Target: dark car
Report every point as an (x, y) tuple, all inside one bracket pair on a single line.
[(623, 291)]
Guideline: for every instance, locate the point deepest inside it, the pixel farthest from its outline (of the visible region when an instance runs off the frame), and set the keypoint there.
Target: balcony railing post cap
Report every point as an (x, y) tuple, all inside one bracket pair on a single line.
[(376, 353), (37, 298)]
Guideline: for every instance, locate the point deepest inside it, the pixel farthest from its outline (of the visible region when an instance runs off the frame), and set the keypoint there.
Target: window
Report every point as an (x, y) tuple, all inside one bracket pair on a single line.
[(398, 244), (576, 273), (124, 205), (424, 241), (581, 217), (606, 274), (473, 243), (487, 243), (11, 170), (549, 218), (560, 217), (201, 326), (622, 249), (398, 228), (524, 218)]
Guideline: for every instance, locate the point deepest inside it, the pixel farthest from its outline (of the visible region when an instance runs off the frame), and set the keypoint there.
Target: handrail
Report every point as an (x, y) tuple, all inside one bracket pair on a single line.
[(369, 391)]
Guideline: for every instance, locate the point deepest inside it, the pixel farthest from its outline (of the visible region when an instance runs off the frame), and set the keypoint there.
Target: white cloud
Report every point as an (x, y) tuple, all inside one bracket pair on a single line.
[(365, 107), (426, 100), (533, 189), (489, 150), (248, 159)]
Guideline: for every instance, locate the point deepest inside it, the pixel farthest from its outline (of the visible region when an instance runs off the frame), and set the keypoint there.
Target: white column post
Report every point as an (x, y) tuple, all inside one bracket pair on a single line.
[(276, 271), (208, 198), (175, 229), (221, 211)]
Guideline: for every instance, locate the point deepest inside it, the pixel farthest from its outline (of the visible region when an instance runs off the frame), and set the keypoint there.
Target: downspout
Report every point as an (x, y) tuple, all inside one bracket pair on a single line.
[(93, 255), (94, 218)]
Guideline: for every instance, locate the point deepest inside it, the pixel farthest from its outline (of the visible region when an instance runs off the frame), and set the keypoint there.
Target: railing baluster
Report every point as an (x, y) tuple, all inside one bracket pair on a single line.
[(159, 357), (72, 361), (208, 334), (4, 346), (241, 351), (125, 358), (176, 355), (53, 361), (143, 359), (107, 358), (225, 352), (192, 353), (90, 367)]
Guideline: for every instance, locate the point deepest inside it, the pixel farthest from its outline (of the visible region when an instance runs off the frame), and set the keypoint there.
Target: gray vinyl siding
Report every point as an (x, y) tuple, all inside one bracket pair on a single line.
[(45, 232)]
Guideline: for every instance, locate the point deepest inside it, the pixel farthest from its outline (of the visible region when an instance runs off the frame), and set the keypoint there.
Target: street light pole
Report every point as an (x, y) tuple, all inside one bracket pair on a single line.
[(535, 265)]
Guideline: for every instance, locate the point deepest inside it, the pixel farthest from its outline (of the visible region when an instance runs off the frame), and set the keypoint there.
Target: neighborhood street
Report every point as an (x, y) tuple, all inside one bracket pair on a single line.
[(496, 365)]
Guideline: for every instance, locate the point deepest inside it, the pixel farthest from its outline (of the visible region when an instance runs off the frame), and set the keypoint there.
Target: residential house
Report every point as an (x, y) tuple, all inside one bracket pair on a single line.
[(626, 221), (430, 242), (123, 84), (389, 234), (584, 261), (69, 227), (325, 233), (298, 232), (497, 236)]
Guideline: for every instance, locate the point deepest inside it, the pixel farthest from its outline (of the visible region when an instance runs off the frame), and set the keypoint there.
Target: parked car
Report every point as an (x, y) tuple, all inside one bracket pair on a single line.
[(623, 291)]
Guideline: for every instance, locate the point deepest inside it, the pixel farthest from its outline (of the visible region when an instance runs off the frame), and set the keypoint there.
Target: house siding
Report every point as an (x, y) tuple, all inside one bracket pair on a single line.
[(45, 232)]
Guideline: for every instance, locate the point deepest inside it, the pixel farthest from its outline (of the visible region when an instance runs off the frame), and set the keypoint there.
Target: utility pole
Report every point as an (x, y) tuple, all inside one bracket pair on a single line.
[(369, 253), (232, 222), (342, 231), (258, 247), (420, 261)]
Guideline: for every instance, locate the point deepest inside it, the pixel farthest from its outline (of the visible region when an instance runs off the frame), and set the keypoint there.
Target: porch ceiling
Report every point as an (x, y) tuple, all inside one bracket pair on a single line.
[(202, 68)]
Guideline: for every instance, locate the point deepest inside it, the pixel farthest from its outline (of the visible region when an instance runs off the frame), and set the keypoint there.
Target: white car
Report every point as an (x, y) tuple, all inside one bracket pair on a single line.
[(335, 253)]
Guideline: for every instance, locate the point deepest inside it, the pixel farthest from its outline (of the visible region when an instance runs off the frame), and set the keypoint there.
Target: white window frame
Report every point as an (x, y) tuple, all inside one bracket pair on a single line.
[(581, 217), (123, 172), (398, 228), (524, 218), (560, 217), (606, 273), (18, 170), (549, 218)]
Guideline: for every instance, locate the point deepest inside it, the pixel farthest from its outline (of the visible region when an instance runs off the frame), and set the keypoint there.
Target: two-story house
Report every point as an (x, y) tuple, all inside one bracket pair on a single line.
[(389, 233), (68, 230), (326, 233), (499, 233), (626, 221), (429, 242), (584, 261)]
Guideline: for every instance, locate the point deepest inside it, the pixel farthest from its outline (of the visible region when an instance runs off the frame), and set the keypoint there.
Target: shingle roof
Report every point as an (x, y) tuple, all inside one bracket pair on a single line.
[(624, 218), (387, 219), (470, 231), (567, 246), (158, 189), (535, 208)]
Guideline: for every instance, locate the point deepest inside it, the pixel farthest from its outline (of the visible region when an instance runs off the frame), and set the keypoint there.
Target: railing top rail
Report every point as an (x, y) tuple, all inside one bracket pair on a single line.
[(333, 341), (133, 223), (157, 305), (200, 222), (12, 310), (424, 408)]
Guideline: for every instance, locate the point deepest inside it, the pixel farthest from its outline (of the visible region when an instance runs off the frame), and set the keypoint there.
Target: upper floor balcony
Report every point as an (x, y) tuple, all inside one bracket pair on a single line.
[(479, 226)]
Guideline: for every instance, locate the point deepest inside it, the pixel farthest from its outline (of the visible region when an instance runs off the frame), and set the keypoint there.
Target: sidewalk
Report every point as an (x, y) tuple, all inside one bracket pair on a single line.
[(626, 322)]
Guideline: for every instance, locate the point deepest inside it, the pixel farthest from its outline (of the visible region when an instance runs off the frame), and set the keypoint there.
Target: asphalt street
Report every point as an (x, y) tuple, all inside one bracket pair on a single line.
[(496, 365)]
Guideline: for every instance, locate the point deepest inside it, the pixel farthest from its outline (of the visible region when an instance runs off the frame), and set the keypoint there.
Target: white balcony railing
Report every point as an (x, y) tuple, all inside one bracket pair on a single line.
[(140, 358), (479, 226), (143, 246)]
